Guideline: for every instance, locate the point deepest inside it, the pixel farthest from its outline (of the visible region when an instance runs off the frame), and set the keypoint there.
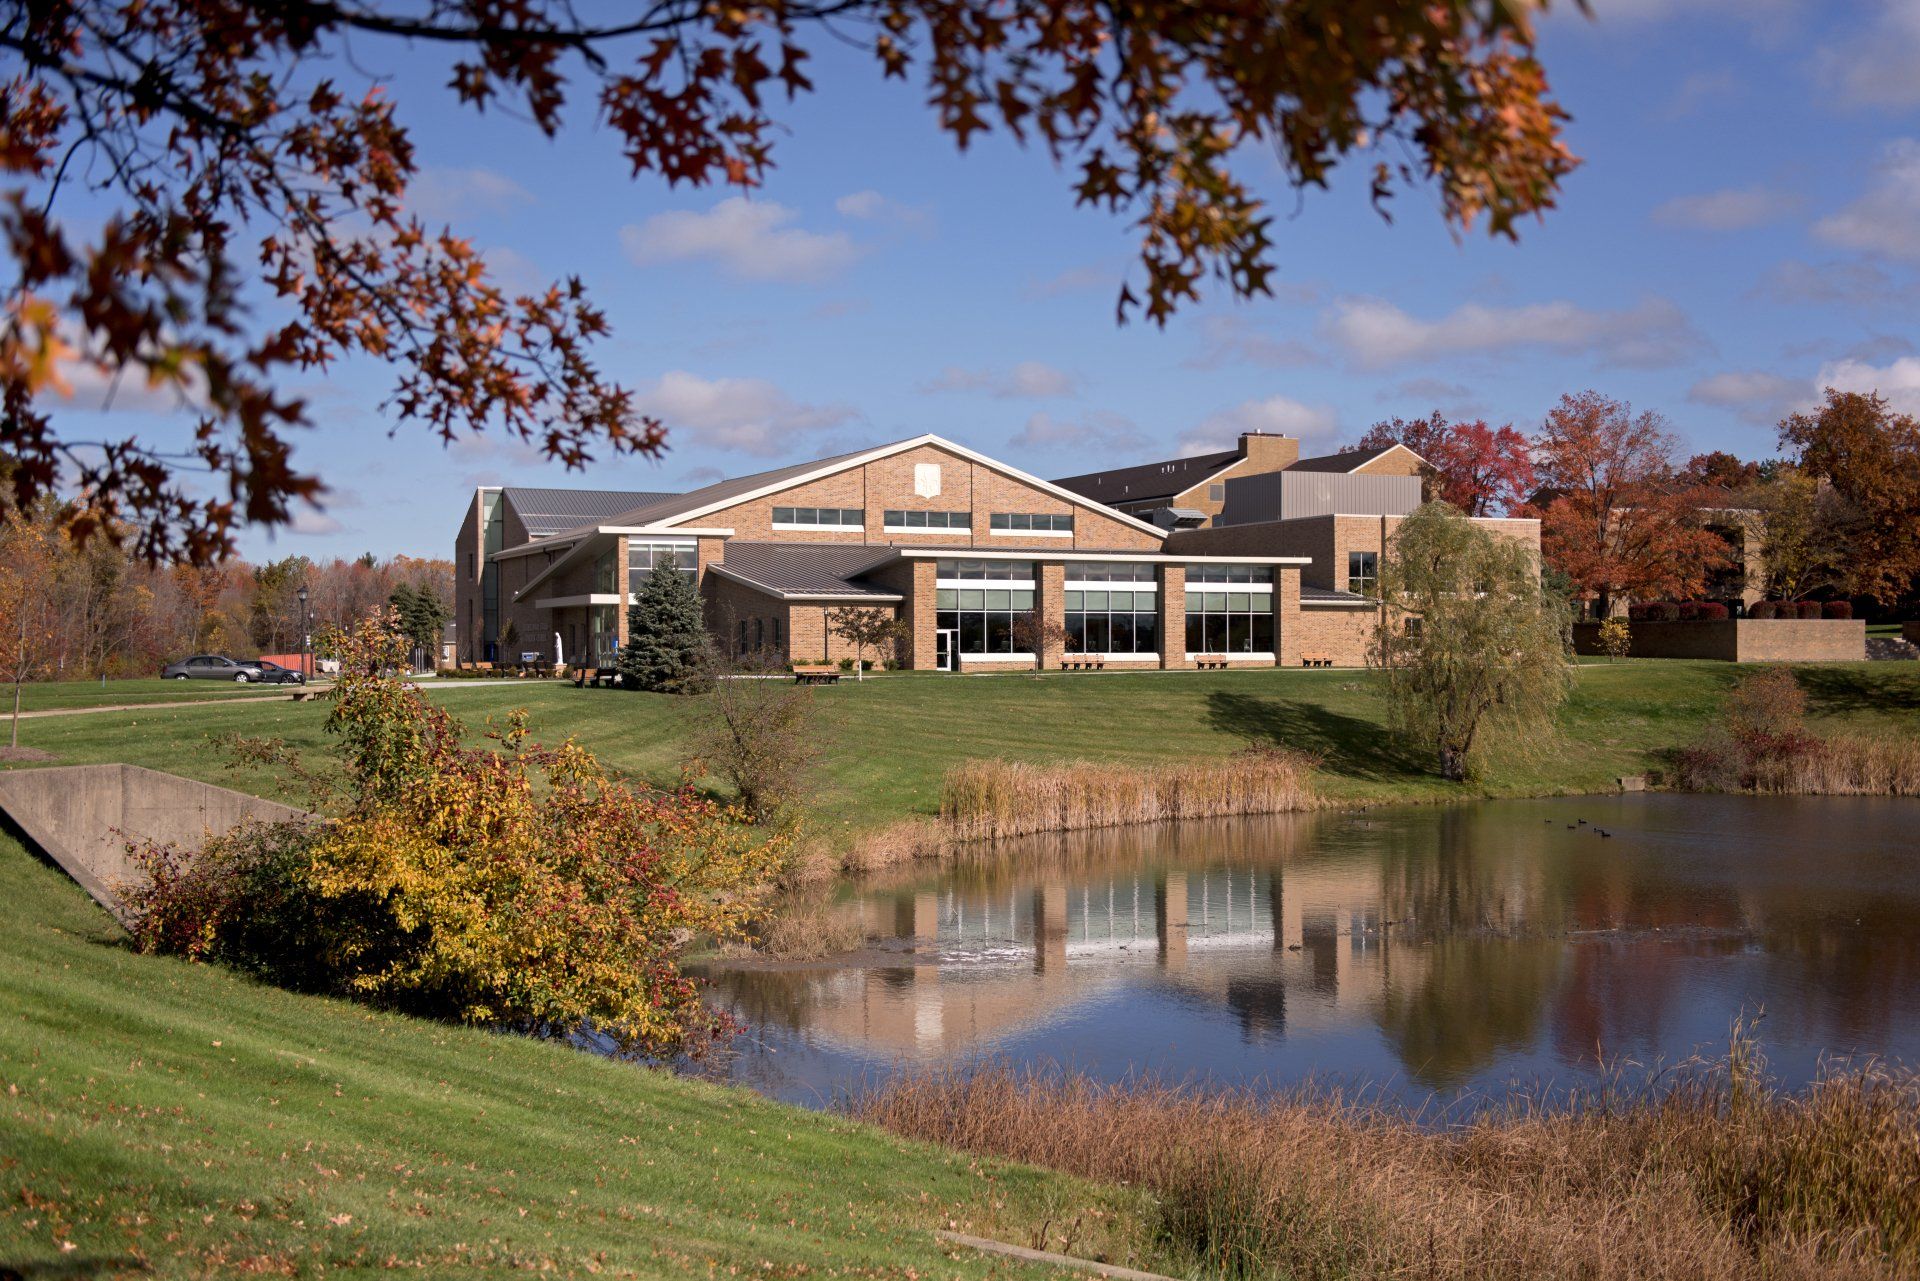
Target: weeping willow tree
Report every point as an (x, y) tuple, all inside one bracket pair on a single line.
[(1471, 644)]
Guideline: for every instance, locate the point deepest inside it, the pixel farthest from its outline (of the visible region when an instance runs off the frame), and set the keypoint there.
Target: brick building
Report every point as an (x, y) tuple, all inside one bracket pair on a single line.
[(1252, 557)]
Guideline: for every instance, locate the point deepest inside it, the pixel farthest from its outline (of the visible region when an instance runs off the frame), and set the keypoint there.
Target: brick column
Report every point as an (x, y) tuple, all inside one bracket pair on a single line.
[(1051, 601), (1286, 616), (1173, 616), (620, 581)]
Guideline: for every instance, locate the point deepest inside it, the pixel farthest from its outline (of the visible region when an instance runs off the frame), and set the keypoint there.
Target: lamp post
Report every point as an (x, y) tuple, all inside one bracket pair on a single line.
[(306, 636)]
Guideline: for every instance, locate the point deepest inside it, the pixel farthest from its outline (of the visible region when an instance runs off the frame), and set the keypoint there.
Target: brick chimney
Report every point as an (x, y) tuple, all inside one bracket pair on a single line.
[(1268, 452)]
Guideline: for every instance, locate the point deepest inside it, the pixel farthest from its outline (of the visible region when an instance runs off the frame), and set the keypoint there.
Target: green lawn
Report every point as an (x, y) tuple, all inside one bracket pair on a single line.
[(888, 741), (40, 696), (161, 1118)]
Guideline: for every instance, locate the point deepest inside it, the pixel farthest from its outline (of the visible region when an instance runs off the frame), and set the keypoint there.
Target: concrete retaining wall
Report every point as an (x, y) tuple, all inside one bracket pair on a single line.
[(1742, 640), (83, 816)]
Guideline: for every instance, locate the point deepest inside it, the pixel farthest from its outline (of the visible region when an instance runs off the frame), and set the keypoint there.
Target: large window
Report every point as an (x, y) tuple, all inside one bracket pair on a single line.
[(819, 518), (980, 600), (904, 520), (1112, 609), (606, 573), (604, 621), (1229, 609), (1030, 523), (644, 557), (1363, 572)]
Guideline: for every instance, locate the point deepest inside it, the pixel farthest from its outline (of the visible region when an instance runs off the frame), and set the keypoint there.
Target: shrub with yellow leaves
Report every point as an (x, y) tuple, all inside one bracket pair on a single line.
[(506, 884)]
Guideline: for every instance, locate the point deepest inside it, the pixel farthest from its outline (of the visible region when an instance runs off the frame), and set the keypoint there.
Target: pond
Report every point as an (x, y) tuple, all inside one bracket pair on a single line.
[(1417, 952)]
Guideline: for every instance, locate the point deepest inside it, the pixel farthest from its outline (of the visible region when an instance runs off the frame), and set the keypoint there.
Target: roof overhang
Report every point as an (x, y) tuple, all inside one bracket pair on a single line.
[(877, 598), (571, 547), (570, 602)]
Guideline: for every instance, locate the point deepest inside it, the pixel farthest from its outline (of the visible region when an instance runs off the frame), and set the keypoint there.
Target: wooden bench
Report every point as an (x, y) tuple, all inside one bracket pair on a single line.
[(815, 674), (582, 675), (1218, 662), (1082, 663), (1316, 660)]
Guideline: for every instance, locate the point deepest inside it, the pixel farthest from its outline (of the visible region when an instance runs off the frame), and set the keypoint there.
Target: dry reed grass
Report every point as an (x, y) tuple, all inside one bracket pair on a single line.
[(1717, 1177), (1845, 765), (992, 799), (807, 929)]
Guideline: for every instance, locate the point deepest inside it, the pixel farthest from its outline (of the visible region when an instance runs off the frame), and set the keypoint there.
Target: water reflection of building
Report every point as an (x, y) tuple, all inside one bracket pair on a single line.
[(1456, 939)]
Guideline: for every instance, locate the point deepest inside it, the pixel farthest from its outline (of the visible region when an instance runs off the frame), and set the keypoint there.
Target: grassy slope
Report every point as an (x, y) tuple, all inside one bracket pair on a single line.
[(888, 741), (158, 1111)]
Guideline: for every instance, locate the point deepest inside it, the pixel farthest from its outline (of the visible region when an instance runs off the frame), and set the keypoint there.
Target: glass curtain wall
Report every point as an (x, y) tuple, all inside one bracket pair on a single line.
[(980, 599), (1112, 609), (1229, 609)]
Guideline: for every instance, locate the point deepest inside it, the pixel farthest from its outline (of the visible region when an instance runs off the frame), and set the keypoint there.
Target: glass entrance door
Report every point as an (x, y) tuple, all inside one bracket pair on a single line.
[(946, 649)]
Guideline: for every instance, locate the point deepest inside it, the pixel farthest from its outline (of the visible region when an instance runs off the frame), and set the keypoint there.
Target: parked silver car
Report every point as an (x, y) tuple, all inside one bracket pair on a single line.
[(211, 667)]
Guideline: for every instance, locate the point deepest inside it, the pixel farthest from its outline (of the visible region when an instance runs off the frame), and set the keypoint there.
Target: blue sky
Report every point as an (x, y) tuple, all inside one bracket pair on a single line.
[(1746, 227)]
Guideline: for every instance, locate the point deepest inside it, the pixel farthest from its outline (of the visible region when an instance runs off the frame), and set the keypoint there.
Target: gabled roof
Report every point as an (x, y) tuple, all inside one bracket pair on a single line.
[(1148, 481), (1349, 461), (670, 507), (548, 511), (826, 570), (681, 508)]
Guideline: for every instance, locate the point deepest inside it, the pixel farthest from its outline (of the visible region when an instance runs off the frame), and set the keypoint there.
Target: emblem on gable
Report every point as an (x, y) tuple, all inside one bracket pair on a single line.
[(926, 479)]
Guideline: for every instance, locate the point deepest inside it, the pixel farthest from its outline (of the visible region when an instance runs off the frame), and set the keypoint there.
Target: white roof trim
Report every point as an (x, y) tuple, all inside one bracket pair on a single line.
[(568, 537), (898, 447), (1305, 603), (567, 602), (1046, 553), (893, 598)]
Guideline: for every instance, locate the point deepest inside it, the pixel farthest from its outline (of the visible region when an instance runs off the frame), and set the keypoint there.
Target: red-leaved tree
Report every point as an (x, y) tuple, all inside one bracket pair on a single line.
[(1616, 517), (1480, 469)]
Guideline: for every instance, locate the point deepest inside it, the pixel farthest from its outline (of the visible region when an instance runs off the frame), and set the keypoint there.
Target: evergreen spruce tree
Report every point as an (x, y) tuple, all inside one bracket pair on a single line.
[(665, 637)]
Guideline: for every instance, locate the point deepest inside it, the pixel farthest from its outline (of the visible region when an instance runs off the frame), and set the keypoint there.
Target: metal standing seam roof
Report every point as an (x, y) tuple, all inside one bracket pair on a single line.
[(1147, 481), (548, 511), (668, 506), (1343, 462), (808, 569)]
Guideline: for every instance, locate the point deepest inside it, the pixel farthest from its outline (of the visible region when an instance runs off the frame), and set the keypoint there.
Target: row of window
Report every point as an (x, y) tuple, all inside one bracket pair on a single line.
[(819, 518), (856, 518), (992, 571), (1023, 522), (1108, 622), (929, 520)]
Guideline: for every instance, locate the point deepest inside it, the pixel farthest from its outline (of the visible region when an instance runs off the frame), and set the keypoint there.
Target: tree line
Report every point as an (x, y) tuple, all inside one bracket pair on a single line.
[(1625, 514), (74, 611)]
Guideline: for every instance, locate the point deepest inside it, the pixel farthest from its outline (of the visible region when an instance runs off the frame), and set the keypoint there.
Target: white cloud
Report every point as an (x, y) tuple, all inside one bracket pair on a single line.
[(748, 414), (749, 240), (1755, 395), (1857, 284), (1074, 280), (1701, 89), (1278, 414), (1741, 387), (1899, 382), (314, 524), (1095, 430), (447, 195), (871, 206), (1886, 219), (1028, 380), (1874, 67), (1732, 209), (1230, 340), (1375, 333)]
